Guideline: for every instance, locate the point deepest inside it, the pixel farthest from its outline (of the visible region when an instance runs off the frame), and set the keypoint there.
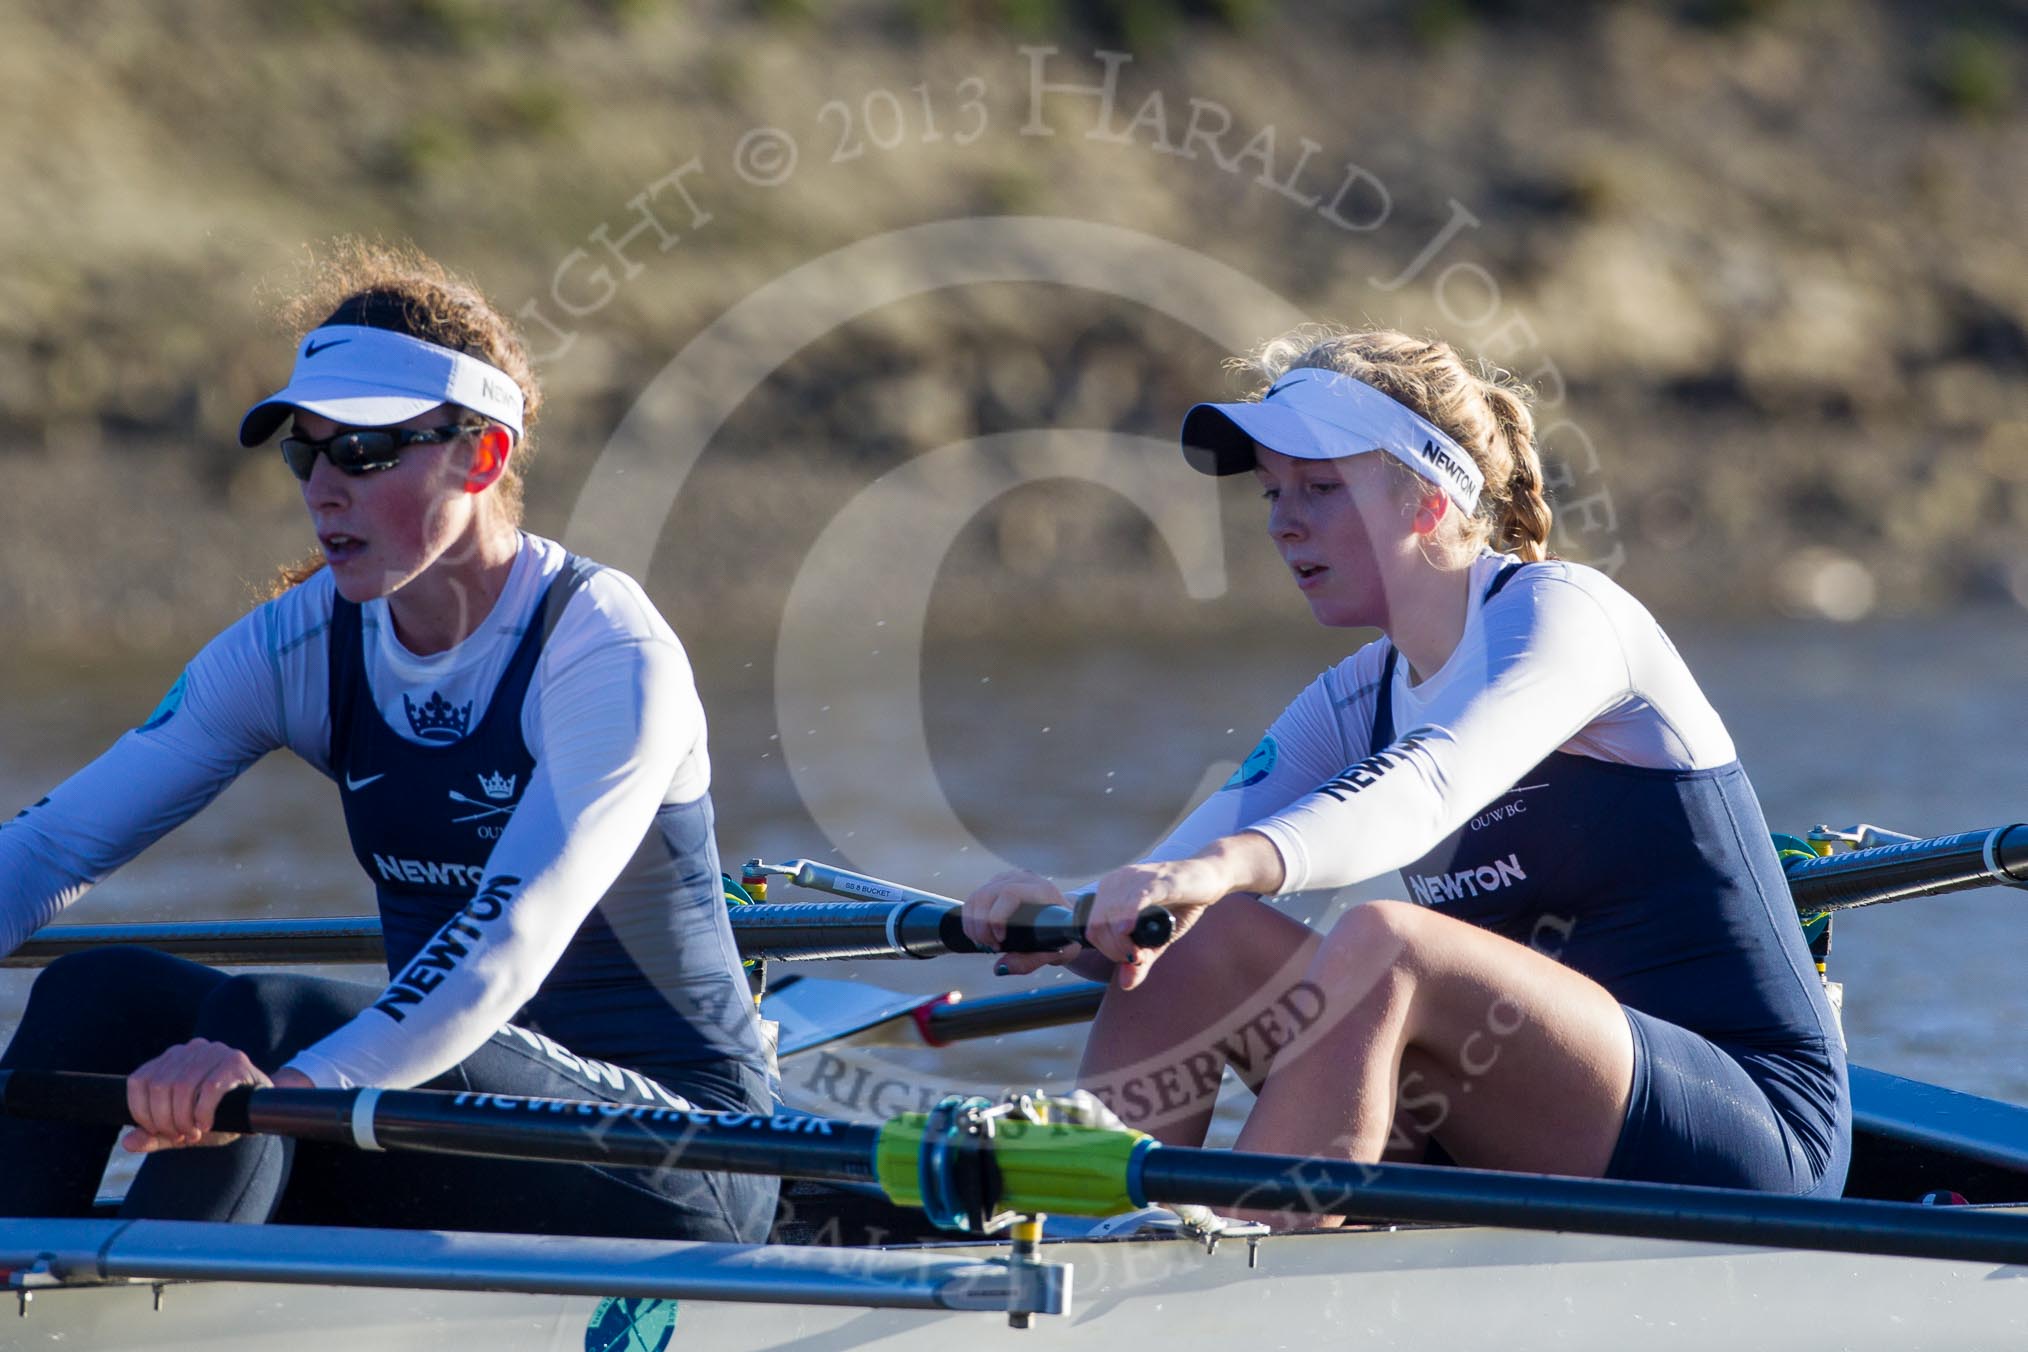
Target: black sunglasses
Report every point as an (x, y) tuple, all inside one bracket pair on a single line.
[(368, 449)]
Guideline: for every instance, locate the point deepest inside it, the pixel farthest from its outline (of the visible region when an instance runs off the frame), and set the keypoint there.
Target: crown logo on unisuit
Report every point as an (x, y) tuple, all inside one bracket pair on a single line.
[(438, 720), (497, 785)]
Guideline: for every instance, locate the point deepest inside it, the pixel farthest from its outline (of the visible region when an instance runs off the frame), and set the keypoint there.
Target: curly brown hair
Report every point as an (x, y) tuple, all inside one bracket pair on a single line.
[(400, 288)]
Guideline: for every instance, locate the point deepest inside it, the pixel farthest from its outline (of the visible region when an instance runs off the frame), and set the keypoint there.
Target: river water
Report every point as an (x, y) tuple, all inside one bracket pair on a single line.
[(1071, 758)]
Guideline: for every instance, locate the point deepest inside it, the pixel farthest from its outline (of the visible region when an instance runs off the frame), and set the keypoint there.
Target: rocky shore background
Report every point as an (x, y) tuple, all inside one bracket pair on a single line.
[(1761, 260)]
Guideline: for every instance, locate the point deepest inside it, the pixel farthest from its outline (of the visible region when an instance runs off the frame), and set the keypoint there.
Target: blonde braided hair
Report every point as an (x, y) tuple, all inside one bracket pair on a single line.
[(1485, 412)]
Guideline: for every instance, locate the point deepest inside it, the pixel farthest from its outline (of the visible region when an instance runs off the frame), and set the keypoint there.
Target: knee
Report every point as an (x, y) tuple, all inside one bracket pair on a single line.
[(1395, 930), (246, 1012), (106, 1010), (97, 985), (93, 971), (1374, 947), (77, 974)]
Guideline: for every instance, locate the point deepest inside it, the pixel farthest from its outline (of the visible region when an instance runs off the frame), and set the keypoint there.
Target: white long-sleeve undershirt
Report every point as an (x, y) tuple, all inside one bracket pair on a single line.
[(612, 718), (1561, 659)]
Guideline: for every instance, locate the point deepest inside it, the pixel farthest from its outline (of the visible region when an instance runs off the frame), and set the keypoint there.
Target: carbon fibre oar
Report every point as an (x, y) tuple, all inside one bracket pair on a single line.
[(1406, 1192), (1049, 927), (486, 1124), (942, 1023), (968, 1161), (1917, 868), (220, 943), (791, 931), (1997, 856)]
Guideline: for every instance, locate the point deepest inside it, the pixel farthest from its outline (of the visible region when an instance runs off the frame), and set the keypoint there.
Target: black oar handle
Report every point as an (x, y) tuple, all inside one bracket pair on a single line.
[(797, 931), (1153, 928), (1052, 927), (1043, 931)]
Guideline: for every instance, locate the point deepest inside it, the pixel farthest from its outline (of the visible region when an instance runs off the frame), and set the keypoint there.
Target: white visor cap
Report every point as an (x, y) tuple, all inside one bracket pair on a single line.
[(1314, 414), (366, 377)]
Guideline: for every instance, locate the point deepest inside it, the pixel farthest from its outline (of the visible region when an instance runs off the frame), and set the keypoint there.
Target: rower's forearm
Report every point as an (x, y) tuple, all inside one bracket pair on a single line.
[(1246, 862)]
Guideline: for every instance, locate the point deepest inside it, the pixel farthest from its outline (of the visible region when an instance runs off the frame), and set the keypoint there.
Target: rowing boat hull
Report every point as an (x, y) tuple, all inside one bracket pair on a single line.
[(1415, 1288)]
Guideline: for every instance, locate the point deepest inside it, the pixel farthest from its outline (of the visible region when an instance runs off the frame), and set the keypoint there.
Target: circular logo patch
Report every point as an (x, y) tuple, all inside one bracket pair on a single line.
[(619, 1325), (166, 710), (1258, 766)]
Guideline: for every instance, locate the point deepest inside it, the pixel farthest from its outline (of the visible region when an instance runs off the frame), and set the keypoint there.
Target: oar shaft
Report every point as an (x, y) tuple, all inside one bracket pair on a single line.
[(1061, 1168), (803, 931), (1220, 1178), (1916, 868), (498, 1125), (221, 943), (791, 931), (1015, 1012), (841, 931)]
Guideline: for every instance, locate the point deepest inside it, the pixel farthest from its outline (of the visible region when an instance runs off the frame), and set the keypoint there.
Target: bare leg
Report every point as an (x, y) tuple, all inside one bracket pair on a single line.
[(1421, 1107), (1228, 992), (1515, 1060)]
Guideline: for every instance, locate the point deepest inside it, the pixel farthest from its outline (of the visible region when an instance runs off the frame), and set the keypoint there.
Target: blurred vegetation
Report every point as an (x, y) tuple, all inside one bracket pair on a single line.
[(1771, 247), (1971, 74)]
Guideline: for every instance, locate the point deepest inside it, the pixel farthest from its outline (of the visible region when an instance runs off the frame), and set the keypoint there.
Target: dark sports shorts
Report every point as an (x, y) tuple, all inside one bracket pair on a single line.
[(1733, 1117)]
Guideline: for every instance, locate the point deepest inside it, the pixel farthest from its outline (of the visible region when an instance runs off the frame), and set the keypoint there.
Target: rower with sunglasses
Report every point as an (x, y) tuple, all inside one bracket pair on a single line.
[(520, 754)]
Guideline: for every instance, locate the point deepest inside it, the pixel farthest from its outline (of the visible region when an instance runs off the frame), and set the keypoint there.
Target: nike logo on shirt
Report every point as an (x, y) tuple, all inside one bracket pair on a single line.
[(357, 784), (312, 349)]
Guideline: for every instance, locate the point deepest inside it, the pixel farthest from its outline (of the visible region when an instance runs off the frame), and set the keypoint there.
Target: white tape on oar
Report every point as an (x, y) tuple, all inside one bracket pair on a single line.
[(363, 1104)]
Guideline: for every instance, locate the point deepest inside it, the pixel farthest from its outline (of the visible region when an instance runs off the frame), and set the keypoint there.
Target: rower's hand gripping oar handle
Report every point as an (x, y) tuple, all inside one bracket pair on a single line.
[(1052, 927), (1153, 928), (1041, 931)]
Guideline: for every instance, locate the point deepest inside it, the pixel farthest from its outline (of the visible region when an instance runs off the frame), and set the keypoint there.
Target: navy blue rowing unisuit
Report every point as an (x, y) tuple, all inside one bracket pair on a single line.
[(543, 856), (423, 817), (1662, 886), (608, 834), (1561, 780)]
